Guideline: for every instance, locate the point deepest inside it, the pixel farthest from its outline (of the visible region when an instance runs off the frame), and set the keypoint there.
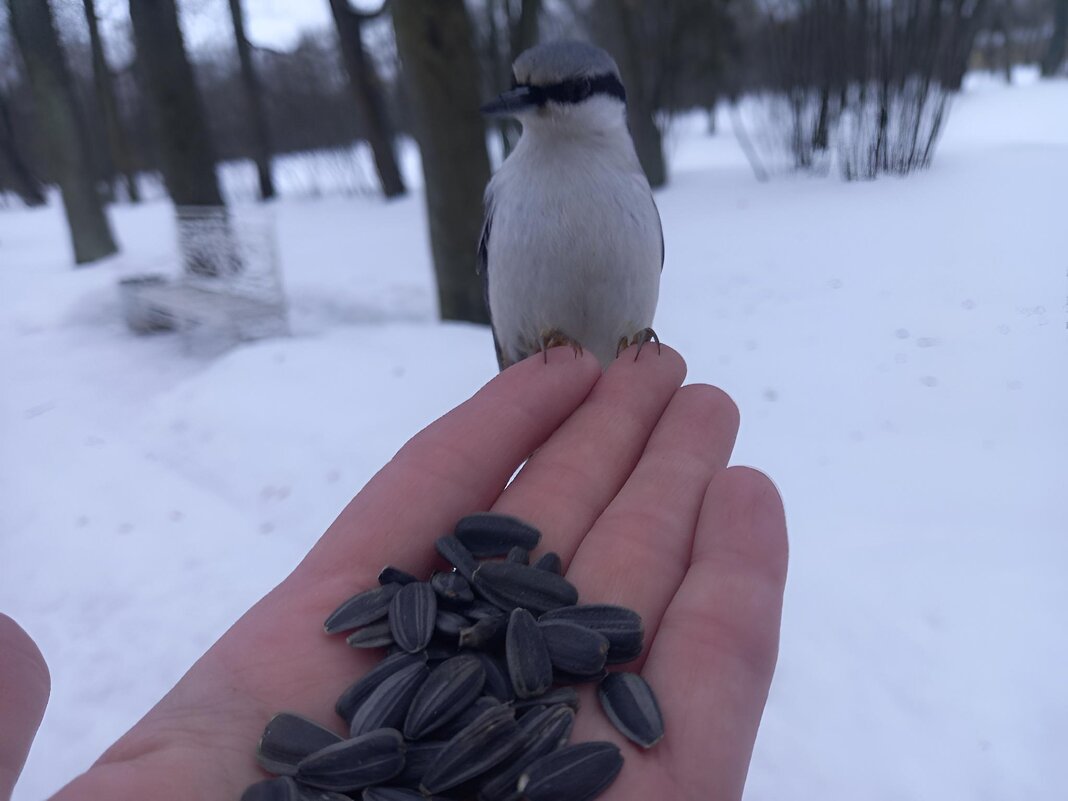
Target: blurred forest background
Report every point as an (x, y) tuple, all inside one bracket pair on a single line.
[(107, 100)]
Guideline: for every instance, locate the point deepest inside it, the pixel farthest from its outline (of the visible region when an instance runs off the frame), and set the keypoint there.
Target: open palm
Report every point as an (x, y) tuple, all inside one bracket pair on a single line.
[(628, 483)]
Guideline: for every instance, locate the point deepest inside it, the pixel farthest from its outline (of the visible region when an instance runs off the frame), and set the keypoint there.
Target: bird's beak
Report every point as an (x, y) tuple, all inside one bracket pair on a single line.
[(511, 102)]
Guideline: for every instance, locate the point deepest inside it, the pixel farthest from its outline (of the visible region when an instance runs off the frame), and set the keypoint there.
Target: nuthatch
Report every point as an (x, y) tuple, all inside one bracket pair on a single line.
[(572, 246)]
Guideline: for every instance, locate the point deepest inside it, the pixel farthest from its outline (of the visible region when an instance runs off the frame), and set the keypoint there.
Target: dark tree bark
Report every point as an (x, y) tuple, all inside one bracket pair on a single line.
[(186, 152), (1055, 53), (367, 94), (61, 126), (254, 97), (118, 145), (522, 35), (24, 181), (441, 76)]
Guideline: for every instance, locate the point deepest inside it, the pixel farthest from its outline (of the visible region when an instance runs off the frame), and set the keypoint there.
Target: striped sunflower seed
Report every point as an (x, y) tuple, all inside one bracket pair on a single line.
[(477, 748), (361, 609), (377, 635), (481, 609), (574, 773), (521, 556), (457, 555), (574, 649), (359, 691), (452, 587), (550, 561), (314, 794), (412, 615), (622, 626), (498, 682), (394, 575), (387, 706), (564, 678), (486, 633), (450, 624), (451, 687), (287, 739), (508, 585), (629, 702), (489, 534), (396, 794), (466, 717), (543, 734), (417, 758), (373, 758), (529, 666), (281, 789), (561, 695)]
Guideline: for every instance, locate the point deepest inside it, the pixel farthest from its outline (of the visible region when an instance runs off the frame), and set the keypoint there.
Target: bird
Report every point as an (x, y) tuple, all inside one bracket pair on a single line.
[(572, 245)]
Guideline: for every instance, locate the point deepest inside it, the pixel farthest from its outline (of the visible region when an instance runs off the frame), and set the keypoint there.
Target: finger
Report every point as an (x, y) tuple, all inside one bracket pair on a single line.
[(714, 653), (638, 551), (569, 482), (24, 688)]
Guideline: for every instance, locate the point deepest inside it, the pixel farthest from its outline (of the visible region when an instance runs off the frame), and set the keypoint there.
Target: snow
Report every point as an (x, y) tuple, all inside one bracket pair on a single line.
[(897, 349)]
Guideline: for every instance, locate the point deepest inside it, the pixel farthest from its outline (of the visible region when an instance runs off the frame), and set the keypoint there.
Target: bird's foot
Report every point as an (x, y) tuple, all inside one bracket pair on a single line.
[(555, 338), (642, 337)]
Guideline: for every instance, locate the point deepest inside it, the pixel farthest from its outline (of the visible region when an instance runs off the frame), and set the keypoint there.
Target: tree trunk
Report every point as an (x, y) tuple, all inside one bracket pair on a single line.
[(60, 125), (1058, 42), (367, 94), (186, 152), (254, 98), (442, 81), (26, 185), (118, 144)]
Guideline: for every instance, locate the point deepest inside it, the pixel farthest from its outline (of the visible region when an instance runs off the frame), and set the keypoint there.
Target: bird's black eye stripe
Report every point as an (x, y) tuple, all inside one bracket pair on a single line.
[(577, 89)]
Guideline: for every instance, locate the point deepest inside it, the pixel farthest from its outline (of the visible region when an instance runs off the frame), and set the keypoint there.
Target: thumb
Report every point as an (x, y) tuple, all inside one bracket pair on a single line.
[(24, 687)]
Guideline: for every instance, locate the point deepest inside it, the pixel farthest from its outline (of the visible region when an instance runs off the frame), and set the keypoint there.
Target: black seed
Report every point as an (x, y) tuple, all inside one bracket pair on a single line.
[(451, 687), (485, 633), (524, 714), (438, 652), (574, 773), (377, 635), (452, 587), (362, 609), (528, 658), (387, 706), (450, 624), (629, 702), (412, 615), (355, 695), (551, 562), (457, 555), (488, 534), (287, 739), (313, 794), (508, 585), (480, 746), (466, 717), (417, 758), (483, 609), (395, 794), (498, 682), (521, 556), (622, 627), (565, 678), (573, 648), (374, 758), (394, 575), (283, 789), (542, 734), (561, 695)]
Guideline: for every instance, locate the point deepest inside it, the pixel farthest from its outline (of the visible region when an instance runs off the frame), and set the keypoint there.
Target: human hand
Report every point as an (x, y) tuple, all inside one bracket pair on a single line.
[(627, 483), (24, 687)]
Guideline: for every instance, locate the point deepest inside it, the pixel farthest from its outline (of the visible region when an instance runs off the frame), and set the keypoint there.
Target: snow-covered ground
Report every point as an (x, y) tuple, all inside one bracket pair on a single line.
[(898, 350)]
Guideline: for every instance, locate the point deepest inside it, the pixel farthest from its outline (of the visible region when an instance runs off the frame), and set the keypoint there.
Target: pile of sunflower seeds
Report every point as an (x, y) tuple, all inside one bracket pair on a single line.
[(476, 697)]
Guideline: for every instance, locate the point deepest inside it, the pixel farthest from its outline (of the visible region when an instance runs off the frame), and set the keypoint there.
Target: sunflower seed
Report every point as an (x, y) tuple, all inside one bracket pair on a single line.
[(574, 773), (561, 695), (573, 648), (411, 616), (622, 627), (485, 633), (480, 746), (377, 635), (395, 794), (543, 734), (449, 623), (564, 678), (361, 609), (629, 702), (521, 556), (483, 609), (498, 683), (466, 717), (488, 534), (357, 692), (457, 555), (524, 714), (282, 789), (394, 575), (417, 758), (438, 652), (387, 706), (373, 758), (287, 739), (550, 561), (508, 585), (313, 794), (528, 658), (451, 687), (452, 587)]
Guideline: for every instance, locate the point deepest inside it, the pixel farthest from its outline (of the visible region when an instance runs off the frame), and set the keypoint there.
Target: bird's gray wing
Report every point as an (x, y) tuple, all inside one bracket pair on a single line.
[(482, 268)]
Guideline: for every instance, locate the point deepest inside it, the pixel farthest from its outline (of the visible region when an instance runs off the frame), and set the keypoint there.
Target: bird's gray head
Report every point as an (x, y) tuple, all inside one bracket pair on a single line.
[(572, 82)]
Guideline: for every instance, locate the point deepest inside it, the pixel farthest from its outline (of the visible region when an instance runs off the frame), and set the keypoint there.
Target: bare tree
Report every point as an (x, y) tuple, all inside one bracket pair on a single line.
[(62, 129), (441, 76), (367, 94), (17, 167), (254, 99), (1058, 41), (118, 146), (522, 19)]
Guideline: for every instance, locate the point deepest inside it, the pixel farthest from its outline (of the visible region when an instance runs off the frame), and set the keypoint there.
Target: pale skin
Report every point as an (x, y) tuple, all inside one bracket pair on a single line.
[(628, 483)]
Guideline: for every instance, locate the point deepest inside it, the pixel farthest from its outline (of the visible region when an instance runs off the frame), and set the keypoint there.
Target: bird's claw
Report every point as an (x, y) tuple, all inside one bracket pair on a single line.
[(556, 338), (643, 336)]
